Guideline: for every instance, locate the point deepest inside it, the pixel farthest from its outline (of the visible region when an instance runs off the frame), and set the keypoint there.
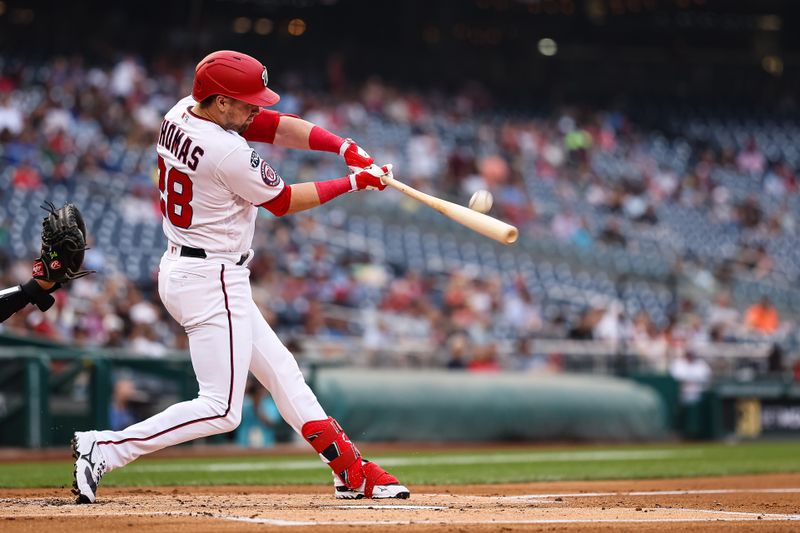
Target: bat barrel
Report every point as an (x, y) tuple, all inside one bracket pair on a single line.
[(512, 235), (483, 224)]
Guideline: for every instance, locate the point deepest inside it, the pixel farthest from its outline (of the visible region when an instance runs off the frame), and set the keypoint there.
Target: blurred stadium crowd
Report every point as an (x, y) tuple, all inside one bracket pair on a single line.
[(706, 200)]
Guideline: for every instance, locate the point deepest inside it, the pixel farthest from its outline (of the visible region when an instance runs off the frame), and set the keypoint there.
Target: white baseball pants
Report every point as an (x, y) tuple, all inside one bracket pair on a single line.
[(211, 298)]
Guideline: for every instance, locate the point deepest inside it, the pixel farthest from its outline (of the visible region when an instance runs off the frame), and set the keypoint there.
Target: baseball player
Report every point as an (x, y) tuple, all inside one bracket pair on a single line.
[(63, 246), (212, 183)]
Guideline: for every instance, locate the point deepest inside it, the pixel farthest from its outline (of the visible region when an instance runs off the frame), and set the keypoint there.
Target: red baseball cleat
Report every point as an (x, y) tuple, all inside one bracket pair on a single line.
[(378, 484)]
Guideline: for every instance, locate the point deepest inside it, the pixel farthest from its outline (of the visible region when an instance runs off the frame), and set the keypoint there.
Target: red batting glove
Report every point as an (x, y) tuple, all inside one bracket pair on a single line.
[(354, 156), (370, 178)]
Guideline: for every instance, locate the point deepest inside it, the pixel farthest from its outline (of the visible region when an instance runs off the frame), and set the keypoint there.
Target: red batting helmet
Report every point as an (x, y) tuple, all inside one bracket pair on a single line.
[(233, 74)]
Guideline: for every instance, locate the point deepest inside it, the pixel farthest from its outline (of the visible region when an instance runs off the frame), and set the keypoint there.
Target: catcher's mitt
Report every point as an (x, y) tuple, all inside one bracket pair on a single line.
[(63, 245)]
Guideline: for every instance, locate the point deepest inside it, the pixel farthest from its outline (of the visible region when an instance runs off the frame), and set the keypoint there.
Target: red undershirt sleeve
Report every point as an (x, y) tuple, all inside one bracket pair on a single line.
[(328, 190), (279, 205), (324, 141), (263, 127)]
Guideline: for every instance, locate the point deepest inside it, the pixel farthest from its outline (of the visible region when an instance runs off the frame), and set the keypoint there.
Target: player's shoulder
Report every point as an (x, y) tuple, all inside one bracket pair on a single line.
[(244, 163), (239, 153), (183, 105), (233, 145)]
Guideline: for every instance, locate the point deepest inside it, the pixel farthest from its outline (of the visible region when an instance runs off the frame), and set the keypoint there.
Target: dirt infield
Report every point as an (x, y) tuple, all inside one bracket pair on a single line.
[(742, 503)]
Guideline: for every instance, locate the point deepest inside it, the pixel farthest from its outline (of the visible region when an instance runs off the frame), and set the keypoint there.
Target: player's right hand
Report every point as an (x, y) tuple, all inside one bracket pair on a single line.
[(370, 178)]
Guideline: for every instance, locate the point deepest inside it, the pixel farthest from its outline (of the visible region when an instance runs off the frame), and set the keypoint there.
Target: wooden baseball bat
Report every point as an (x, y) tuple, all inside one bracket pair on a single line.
[(483, 224)]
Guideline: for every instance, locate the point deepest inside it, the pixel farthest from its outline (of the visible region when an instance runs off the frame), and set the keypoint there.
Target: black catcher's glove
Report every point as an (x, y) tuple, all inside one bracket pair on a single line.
[(63, 245)]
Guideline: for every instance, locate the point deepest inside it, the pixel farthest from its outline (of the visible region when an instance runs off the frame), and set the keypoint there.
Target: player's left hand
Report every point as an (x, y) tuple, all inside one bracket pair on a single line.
[(370, 178), (354, 156)]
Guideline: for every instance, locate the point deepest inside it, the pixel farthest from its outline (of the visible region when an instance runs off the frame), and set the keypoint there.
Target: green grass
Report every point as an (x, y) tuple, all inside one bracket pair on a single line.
[(443, 467)]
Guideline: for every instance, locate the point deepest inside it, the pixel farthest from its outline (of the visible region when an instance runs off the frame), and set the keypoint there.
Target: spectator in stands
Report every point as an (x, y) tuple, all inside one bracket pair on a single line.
[(26, 177), (764, 262), (693, 374), (651, 344), (260, 415), (145, 341), (121, 413), (762, 317), (749, 213), (755, 259), (577, 141), (609, 326), (584, 329), (582, 237), (423, 155), (377, 335), (484, 359), (612, 234), (774, 181), (648, 216), (723, 315), (721, 209), (11, 119), (564, 225), (513, 203), (519, 309), (750, 159), (457, 346), (526, 358), (775, 359)]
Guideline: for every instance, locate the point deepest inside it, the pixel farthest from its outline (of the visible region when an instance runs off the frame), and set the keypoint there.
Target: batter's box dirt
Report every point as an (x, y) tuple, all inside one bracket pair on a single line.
[(719, 504)]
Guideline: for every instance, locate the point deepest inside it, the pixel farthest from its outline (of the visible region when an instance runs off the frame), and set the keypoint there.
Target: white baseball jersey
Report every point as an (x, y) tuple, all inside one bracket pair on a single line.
[(211, 181)]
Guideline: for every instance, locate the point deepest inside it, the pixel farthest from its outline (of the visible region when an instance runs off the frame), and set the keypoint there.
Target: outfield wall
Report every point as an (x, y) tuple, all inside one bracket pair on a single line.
[(425, 405), (46, 393)]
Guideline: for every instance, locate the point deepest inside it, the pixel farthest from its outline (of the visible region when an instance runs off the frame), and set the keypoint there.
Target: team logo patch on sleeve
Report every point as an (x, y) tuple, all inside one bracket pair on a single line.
[(269, 175), (254, 159)]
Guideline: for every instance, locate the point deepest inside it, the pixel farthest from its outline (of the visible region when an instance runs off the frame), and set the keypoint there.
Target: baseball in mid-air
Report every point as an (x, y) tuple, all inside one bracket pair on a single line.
[(481, 201)]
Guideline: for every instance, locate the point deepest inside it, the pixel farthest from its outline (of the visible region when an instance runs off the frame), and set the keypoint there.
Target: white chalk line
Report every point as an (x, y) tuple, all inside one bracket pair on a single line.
[(407, 507), (777, 516), (725, 516), (497, 458), (649, 493), (738, 517)]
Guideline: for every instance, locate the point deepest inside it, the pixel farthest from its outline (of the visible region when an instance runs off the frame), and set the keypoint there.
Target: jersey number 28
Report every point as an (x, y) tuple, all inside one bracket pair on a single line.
[(176, 187)]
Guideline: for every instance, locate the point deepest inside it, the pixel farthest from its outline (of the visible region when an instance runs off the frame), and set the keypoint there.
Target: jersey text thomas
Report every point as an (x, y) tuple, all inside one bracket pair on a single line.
[(211, 182), (174, 139)]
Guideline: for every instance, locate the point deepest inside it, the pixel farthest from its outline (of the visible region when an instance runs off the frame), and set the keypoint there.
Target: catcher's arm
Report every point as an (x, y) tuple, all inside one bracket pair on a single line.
[(32, 292), (63, 247)]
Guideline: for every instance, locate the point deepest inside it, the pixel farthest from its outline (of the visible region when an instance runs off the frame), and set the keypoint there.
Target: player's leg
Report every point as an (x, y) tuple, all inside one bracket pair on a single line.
[(212, 305), (275, 367)]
